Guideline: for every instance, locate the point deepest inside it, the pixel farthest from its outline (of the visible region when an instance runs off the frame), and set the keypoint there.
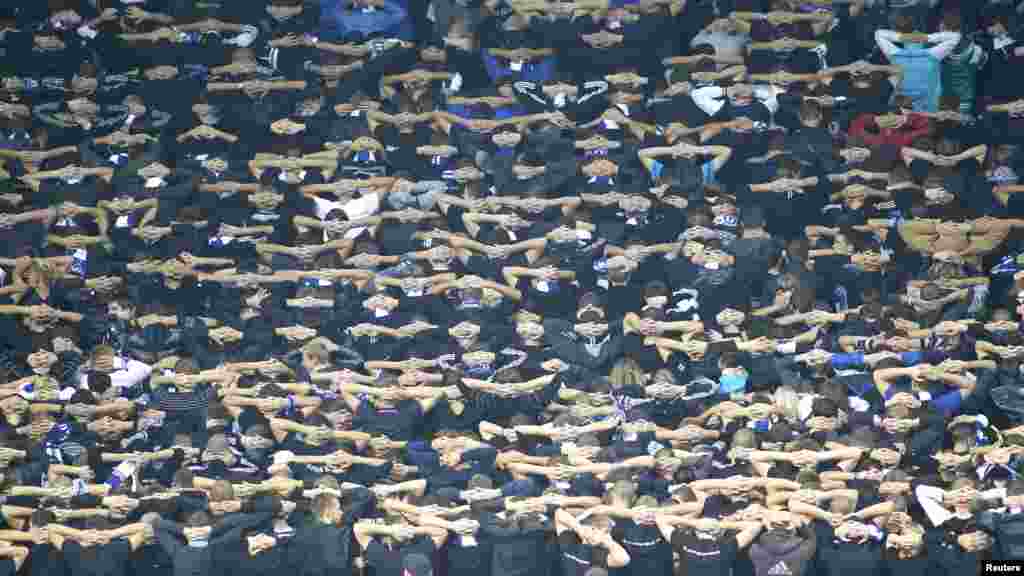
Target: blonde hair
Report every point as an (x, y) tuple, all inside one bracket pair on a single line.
[(646, 501), (317, 351), (327, 508), (102, 350), (916, 530), (490, 297), (329, 482), (626, 372), (623, 490), (43, 271), (788, 400)]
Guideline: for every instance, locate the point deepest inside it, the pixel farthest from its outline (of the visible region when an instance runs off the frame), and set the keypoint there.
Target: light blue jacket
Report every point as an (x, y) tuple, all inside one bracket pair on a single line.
[(921, 65), (922, 76)]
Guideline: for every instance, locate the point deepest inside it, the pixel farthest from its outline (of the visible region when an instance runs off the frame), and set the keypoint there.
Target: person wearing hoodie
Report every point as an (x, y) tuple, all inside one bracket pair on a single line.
[(46, 559), (194, 556), (518, 545), (853, 547), (386, 546), (1007, 523), (922, 79), (787, 548), (960, 68), (326, 541), (1004, 49), (956, 542)]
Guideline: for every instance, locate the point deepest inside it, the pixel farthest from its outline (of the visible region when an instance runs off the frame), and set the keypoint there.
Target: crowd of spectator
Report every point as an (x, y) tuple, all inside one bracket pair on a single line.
[(511, 287)]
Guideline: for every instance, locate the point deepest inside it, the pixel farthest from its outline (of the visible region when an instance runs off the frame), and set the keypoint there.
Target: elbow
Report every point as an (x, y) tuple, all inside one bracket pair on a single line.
[(618, 560)]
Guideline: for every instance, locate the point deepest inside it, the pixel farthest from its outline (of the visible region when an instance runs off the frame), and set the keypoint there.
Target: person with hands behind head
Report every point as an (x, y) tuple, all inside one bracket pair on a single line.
[(1002, 523), (587, 545), (787, 545), (390, 542), (706, 545), (192, 547)]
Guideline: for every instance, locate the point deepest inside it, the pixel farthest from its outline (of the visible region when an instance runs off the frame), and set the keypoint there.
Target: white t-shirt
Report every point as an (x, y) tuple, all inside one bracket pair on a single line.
[(127, 373), (362, 207)]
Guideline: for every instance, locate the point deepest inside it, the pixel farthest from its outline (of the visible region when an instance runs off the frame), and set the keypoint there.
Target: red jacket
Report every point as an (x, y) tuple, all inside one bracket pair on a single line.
[(915, 127)]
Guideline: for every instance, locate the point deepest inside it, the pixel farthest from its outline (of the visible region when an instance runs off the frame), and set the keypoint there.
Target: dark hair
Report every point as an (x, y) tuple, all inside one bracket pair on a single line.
[(1015, 487), (999, 14), (197, 519), (810, 109), (619, 275), (837, 393), (789, 167), (902, 22), (83, 396), (186, 366), (41, 518), (729, 360), (97, 523), (656, 314), (824, 407), (480, 481), (951, 21), (98, 382), (655, 288), (184, 479)]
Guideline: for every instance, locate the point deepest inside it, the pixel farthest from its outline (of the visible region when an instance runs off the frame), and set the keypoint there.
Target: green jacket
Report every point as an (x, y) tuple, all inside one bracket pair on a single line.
[(960, 73)]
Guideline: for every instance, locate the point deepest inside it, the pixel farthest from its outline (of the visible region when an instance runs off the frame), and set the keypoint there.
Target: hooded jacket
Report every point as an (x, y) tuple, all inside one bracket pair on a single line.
[(1009, 532), (784, 554)]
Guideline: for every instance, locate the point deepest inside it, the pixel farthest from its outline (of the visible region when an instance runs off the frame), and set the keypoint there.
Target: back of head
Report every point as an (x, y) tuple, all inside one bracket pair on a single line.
[(198, 519), (1015, 487), (623, 491), (41, 518), (217, 444), (183, 479), (903, 23)]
